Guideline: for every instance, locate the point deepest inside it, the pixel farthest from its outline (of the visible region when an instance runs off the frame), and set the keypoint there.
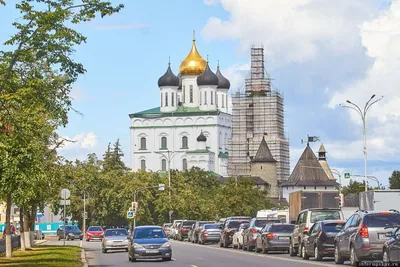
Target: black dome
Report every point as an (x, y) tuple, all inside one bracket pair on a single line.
[(168, 79), (207, 78), (222, 81), (201, 138)]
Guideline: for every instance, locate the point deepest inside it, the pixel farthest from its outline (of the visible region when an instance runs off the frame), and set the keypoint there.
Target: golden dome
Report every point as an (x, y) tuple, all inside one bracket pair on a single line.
[(193, 64)]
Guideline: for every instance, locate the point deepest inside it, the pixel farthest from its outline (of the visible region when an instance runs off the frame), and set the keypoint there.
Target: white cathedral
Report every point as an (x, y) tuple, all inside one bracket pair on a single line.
[(191, 127)]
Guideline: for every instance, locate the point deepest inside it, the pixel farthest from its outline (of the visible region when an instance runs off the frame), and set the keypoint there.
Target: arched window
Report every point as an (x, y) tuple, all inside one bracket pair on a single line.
[(191, 94), (143, 164), (143, 143), (184, 94), (205, 97), (161, 99), (226, 96), (163, 142), (185, 142), (212, 98), (201, 102), (220, 140), (173, 99), (179, 98), (226, 142), (163, 165), (184, 164), (223, 101), (166, 99), (216, 99)]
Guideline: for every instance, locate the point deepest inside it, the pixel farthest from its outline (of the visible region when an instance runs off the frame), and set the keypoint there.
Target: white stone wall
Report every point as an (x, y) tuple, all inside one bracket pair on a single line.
[(187, 82), (286, 190), (168, 98), (222, 100), (208, 97)]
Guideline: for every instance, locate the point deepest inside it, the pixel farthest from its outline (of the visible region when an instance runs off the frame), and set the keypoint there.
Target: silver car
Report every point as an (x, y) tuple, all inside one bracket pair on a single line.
[(115, 239)]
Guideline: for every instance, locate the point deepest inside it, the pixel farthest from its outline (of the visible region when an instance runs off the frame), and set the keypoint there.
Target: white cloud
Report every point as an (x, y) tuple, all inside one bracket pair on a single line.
[(291, 31), (80, 141)]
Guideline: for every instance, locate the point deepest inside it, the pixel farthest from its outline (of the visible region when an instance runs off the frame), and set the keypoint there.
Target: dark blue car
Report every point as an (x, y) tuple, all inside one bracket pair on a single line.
[(149, 242)]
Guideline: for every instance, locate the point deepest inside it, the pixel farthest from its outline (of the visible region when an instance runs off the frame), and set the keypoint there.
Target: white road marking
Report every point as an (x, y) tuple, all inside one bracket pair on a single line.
[(193, 265), (315, 263), (81, 243), (173, 259)]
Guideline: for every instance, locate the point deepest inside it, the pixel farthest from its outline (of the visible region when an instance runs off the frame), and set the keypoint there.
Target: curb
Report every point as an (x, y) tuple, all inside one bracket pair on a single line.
[(39, 242), (83, 258)]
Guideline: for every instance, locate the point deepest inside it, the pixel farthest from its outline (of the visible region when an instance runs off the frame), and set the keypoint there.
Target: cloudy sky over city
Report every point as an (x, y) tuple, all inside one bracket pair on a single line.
[(319, 54)]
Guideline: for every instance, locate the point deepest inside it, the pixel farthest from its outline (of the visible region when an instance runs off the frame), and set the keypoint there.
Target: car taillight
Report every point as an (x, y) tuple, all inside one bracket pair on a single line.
[(364, 231), (163, 228), (253, 231), (183, 230), (270, 236), (205, 232), (305, 228)]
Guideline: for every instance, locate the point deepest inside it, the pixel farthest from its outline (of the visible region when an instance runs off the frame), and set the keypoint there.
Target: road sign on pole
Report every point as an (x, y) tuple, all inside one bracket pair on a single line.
[(65, 193), (130, 215), (347, 175), (161, 187)]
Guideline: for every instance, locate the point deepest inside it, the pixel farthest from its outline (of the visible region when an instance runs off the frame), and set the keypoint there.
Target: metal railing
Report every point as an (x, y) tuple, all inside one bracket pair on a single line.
[(15, 243)]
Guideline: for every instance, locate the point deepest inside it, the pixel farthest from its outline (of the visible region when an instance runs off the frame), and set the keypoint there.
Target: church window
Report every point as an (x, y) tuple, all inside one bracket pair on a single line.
[(166, 99), (216, 99), (191, 94), (185, 142), (220, 140), (226, 100), (143, 143), (184, 94), (205, 98), (161, 99), (179, 98), (163, 142), (201, 99), (223, 101), (173, 99), (212, 98), (143, 164), (163, 165), (184, 164)]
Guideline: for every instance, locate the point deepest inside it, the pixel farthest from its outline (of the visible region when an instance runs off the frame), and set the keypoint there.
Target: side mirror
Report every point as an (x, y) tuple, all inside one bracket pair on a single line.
[(389, 234)]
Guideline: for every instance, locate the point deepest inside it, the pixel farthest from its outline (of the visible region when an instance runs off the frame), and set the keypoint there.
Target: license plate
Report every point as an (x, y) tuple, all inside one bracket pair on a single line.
[(382, 236), (152, 251), (283, 237)]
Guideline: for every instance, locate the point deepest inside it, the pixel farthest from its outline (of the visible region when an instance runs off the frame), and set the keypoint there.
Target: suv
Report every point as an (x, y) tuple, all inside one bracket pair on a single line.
[(230, 226), (305, 220), (363, 236), (250, 234), (184, 228)]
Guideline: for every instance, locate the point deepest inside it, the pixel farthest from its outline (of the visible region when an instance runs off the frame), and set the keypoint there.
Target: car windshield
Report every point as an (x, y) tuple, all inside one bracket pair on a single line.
[(70, 228), (284, 228), (167, 224), (331, 227), (116, 232), (383, 220), (260, 223), (188, 224), (95, 229), (322, 215), (144, 233), (235, 224), (211, 226)]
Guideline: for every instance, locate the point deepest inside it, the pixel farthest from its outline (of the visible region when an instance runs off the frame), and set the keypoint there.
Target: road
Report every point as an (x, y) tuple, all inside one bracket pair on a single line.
[(193, 255)]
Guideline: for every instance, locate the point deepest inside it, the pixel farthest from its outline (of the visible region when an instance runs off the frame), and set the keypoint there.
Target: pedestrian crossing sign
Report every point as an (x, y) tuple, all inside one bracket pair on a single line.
[(130, 215), (347, 175)]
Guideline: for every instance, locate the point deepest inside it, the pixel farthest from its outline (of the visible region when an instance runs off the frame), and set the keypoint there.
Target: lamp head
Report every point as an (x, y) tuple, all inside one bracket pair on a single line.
[(348, 101), (372, 96)]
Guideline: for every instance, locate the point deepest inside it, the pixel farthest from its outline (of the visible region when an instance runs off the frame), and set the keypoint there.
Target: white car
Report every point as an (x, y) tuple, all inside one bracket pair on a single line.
[(237, 239), (174, 228)]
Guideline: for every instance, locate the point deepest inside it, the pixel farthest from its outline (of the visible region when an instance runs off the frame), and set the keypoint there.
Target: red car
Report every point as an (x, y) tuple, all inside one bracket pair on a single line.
[(94, 233)]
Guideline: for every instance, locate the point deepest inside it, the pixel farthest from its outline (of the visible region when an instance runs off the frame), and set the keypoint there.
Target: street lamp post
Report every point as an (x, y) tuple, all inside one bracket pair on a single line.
[(363, 114), (340, 180), (169, 158), (160, 187)]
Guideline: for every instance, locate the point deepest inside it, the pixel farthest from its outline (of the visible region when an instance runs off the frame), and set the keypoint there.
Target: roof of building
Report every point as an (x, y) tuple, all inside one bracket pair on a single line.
[(263, 153), (223, 83), (199, 151), (207, 78), (201, 137), (257, 180), (351, 200), (168, 79), (322, 149), (223, 155), (180, 112), (308, 172), (327, 169)]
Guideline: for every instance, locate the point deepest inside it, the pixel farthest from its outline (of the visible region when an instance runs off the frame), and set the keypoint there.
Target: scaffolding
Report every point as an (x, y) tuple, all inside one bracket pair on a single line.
[(256, 113)]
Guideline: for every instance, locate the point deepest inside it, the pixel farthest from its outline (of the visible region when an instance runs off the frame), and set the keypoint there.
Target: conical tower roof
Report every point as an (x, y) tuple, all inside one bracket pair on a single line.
[(169, 78), (263, 153)]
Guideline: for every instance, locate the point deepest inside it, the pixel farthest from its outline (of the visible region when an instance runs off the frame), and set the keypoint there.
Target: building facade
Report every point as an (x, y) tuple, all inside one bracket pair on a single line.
[(191, 127)]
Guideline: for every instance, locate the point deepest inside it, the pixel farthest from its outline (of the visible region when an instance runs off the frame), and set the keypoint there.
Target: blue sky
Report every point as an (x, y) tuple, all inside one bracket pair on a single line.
[(319, 54)]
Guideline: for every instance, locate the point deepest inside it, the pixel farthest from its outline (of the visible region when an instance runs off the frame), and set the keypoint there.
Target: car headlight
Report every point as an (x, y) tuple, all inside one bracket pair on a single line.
[(136, 245), (89, 234), (109, 242), (126, 241), (166, 245)]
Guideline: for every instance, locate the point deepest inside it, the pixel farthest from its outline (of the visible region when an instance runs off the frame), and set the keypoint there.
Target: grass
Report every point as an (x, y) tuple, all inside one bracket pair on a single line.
[(45, 256)]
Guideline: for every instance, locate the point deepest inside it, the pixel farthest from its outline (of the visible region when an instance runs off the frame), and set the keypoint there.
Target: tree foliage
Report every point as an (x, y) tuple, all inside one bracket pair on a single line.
[(394, 180)]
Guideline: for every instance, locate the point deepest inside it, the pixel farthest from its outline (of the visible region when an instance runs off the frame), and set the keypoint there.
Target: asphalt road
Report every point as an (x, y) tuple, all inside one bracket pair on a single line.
[(193, 255)]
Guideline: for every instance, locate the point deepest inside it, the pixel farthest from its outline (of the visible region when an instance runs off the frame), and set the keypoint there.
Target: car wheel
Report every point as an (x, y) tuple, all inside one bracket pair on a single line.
[(264, 249), (317, 256), (304, 254), (59, 238), (353, 257), (338, 258), (292, 251), (385, 257)]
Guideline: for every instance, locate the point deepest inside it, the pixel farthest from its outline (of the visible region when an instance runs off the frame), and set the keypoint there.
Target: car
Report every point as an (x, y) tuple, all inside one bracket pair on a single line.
[(71, 232), (94, 233), (237, 239), (229, 228), (115, 239), (251, 233), (167, 228), (149, 242), (274, 237), (193, 235), (209, 233), (174, 228), (390, 248), (183, 229)]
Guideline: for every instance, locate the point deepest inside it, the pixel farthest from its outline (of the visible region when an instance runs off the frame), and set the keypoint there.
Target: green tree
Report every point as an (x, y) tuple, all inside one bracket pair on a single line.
[(354, 187), (394, 180)]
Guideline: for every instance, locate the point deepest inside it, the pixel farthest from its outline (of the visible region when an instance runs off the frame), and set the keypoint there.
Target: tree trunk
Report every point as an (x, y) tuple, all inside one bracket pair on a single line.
[(26, 230), (21, 228), (32, 224), (8, 227)]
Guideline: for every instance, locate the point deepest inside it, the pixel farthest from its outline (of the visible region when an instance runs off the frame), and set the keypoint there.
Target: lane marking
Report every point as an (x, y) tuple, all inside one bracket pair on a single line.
[(259, 255), (173, 259), (193, 265)]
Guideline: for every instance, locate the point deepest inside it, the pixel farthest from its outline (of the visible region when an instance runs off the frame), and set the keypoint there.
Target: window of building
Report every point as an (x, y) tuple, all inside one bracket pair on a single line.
[(161, 99), (205, 98), (212, 98), (216, 99), (223, 101), (143, 164), (166, 99), (226, 100), (184, 164), (191, 94), (201, 99), (179, 99), (143, 143), (173, 99), (325, 187), (184, 94), (163, 142), (305, 187), (185, 142), (163, 165), (220, 140)]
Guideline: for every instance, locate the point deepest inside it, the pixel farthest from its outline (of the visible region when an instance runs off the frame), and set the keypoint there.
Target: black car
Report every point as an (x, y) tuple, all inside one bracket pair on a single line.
[(229, 228), (391, 248), (149, 242), (319, 241), (71, 232)]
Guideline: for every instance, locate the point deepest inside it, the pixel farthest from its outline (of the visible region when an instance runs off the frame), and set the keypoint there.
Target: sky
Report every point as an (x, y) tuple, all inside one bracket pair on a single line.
[(319, 54)]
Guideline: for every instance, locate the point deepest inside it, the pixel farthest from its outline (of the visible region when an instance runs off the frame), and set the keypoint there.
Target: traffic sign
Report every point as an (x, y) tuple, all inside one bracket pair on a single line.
[(65, 193), (65, 202), (130, 215), (161, 187), (347, 175), (39, 214)]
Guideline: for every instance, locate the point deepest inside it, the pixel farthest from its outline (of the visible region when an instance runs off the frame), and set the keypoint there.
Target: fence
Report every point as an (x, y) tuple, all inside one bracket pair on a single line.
[(46, 228), (15, 243)]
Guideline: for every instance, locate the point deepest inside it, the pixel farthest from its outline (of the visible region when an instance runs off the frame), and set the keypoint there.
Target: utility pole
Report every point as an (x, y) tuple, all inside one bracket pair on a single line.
[(363, 114), (160, 188), (84, 216)]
